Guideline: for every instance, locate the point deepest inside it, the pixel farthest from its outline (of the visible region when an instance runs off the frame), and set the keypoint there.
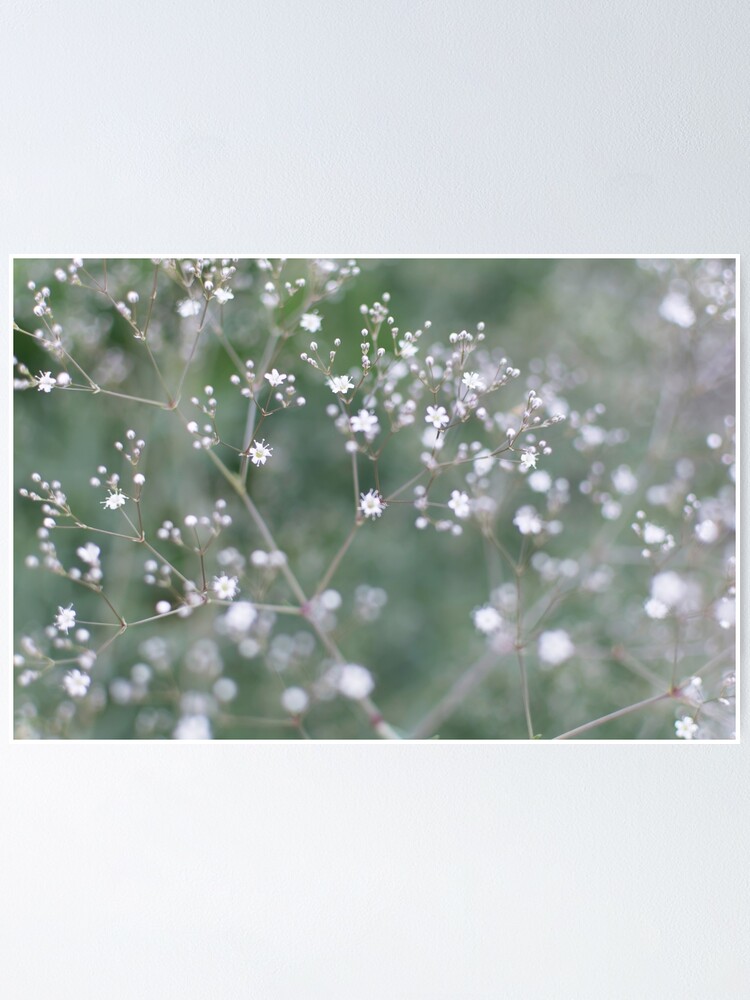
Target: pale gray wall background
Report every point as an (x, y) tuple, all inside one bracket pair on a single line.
[(360, 872)]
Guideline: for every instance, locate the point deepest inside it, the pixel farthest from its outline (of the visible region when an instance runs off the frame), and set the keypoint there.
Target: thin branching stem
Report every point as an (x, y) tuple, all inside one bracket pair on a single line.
[(587, 726)]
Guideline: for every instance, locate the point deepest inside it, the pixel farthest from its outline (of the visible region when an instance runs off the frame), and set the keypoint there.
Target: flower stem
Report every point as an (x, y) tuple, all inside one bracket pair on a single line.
[(615, 715)]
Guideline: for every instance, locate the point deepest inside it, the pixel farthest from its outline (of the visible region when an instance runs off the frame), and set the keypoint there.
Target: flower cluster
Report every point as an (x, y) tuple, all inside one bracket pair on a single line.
[(574, 554)]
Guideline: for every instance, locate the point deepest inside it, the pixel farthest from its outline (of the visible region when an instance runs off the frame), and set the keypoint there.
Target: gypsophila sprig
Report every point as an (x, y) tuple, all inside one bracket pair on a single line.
[(487, 619), (226, 587), (260, 452), (459, 503), (371, 504), (275, 377), (114, 500), (557, 557), (311, 322), (685, 728), (76, 683), (66, 619), (473, 380), (365, 423), (437, 416), (341, 384), (46, 382)]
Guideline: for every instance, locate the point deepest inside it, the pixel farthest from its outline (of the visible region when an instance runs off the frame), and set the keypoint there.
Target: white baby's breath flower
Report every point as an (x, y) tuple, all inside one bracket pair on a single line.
[(540, 481), (275, 377), (76, 683), (240, 617), (653, 534), (487, 619), (311, 322), (259, 452), (528, 459), (611, 510), (473, 380), (676, 308), (707, 531), (669, 588), (372, 504), (225, 587), (555, 647), (89, 554), (437, 416), (223, 295), (352, 680), (685, 728), (528, 521), (193, 727), (295, 700), (66, 619), (656, 609), (225, 689), (624, 480), (459, 504), (340, 384), (46, 381), (407, 348), (115, 498), (189, 307), (365, 423)]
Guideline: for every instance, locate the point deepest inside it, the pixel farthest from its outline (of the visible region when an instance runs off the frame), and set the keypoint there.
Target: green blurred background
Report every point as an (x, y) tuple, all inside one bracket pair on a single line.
[(592, 327)]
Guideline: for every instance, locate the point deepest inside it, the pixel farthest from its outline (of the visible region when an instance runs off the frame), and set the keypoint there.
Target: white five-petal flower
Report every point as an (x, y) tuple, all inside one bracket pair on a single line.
[(340, 384), (89, 554), (275, 377), (311, 322), (259, 452), (365, 422), (473, 380), (76, 683), (685, 728), (437, 416), (226, 587)]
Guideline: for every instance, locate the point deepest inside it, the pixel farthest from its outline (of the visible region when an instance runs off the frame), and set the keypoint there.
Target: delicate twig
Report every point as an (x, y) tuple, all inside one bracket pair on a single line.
[(461, 689), (334, 565), (615, 715)]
